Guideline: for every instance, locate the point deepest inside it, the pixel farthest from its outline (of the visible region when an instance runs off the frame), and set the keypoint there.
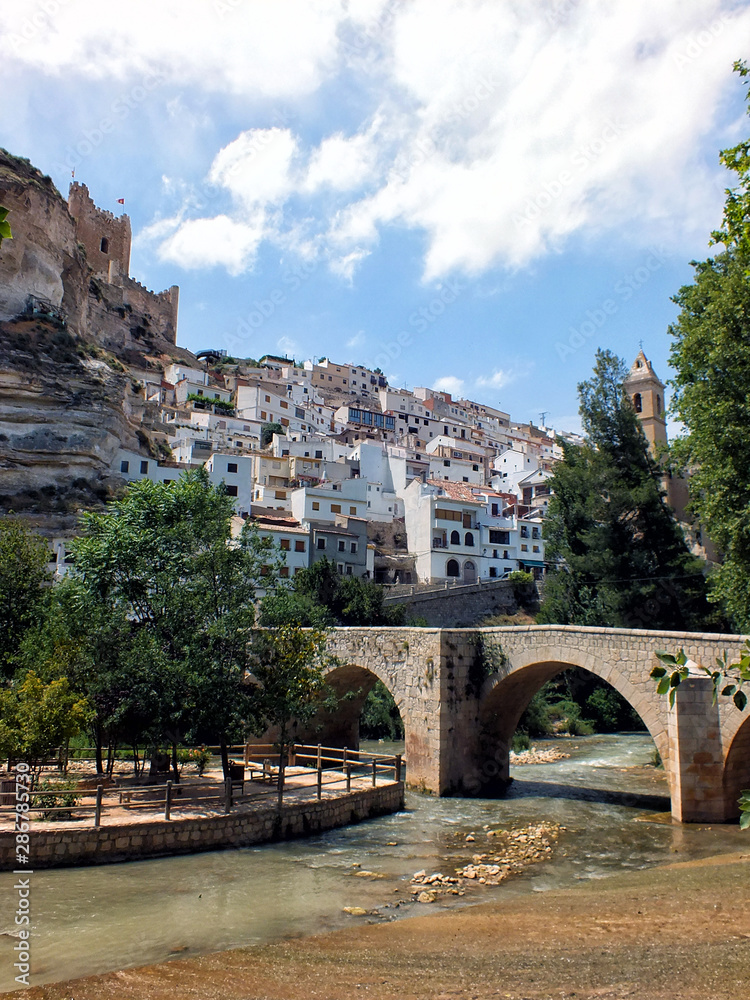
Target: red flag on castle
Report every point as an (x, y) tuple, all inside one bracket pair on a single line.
[(120, 201)]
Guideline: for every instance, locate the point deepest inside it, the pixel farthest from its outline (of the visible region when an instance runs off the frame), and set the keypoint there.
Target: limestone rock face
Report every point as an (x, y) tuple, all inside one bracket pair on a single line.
[(63, 416), (43, 257)]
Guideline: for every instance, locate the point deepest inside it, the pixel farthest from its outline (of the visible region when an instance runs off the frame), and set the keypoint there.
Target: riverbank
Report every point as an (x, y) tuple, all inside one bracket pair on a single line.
[(680, 930)]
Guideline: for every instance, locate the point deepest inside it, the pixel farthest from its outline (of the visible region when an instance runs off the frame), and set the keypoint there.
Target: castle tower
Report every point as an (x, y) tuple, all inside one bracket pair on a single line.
[(105, 237), (646, 391)]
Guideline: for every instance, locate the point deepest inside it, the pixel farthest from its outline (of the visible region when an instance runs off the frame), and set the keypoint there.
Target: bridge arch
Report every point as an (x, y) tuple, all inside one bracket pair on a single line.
[(351, 683), (506, 694), (736, 775)]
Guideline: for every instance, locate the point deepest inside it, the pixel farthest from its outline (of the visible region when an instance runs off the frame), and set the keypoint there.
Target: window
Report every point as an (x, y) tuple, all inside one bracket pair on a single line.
[(535, 548), (455, 538), (496, 510), (353, 547), (315, 505), (350, 571), (284, 543), (475, 468), (267, 399), (279, 495), (230, 490), (318, 454), (335, 508), (340, 568), (493, 570), (658, 406), (353, 511), (144, 468), (499, 537), (524, 531), (524, 548), (446, 462), (321, 543), (284, 405), (447, 515), (452, 568), (284, 572), (124, 466), (231, 466), (299, 545), (637, 403), (264, 570), (342, 545), (104, 245), (469, 539)]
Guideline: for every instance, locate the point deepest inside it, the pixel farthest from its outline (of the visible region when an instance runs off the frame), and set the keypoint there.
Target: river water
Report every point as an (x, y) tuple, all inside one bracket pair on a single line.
[(611, 802)]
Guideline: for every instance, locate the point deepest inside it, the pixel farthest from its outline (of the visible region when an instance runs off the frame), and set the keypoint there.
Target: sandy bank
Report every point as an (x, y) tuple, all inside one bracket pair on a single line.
[(680, 931)]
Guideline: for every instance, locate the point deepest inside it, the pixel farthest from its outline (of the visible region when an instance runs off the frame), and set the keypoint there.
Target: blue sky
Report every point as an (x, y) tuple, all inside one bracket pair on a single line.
[(470, 195)]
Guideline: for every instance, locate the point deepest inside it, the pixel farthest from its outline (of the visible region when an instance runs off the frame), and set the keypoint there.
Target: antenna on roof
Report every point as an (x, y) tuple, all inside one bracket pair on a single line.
[(543, 417)]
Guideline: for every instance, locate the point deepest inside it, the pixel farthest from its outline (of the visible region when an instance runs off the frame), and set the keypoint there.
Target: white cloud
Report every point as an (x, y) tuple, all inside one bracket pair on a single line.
[(289, 347), (451, 384), (497, 380), (257, 48), (342, 163), (544, 122), (358, 340), (213, 242), (345, 266), (257, 166)]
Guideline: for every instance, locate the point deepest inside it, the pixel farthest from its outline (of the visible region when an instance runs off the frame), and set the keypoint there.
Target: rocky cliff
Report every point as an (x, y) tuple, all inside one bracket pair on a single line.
[(68, 400)]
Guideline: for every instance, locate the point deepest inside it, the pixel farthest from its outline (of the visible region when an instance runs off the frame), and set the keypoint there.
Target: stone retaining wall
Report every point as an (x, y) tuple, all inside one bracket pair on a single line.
[(456, 607), (133, 841)]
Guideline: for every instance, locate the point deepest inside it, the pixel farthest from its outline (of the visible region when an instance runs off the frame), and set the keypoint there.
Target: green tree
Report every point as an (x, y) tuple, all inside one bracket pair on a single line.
[(320, 597), (711, 356), (24, 558), (5, 233), (267, 432), (163, 557), (36, 718), (618, 556), (288, 666)]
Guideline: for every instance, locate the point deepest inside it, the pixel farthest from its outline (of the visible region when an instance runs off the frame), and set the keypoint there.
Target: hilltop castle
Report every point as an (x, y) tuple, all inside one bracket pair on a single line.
[(75, 258)]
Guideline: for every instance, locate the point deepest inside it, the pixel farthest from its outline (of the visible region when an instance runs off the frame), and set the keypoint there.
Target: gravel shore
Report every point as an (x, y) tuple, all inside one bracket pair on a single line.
[(679, 931)]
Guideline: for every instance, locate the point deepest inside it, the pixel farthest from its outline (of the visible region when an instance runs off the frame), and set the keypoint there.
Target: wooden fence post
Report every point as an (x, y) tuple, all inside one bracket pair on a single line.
[(320, 778), (98, 810), (374, 773), (348, 777), (168, 800), (281, 782), (344, 758), (398, 767), (319, 756)]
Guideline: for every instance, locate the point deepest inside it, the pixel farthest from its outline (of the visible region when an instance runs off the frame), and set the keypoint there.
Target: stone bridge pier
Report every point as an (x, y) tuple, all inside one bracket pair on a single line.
[(461, 693)]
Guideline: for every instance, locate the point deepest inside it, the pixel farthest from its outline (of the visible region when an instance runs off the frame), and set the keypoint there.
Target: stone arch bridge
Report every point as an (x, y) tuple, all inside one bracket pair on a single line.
[(461, 693)]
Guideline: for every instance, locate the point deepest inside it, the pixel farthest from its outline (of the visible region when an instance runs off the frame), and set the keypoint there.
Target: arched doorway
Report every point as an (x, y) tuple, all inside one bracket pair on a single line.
[(452, 568), (470, 572)]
